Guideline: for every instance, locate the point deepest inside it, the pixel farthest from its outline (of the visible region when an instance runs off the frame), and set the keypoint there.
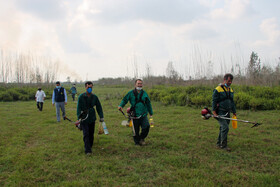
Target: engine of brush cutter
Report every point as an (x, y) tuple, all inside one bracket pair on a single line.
[(206, 113)]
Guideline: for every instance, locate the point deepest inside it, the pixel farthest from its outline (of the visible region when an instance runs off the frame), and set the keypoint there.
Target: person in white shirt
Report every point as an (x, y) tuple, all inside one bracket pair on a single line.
[(59, 97), (40, 97)]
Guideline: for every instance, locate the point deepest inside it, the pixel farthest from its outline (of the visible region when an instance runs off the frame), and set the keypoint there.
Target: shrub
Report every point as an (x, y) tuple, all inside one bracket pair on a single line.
[(15, 95), (276, 103), (201, 100), (246, 97), (242, 100), (166, 100), (264, 92), (12, 92), (182, 99), (24, 98), (154, 95), (256, 104), (5, 96)]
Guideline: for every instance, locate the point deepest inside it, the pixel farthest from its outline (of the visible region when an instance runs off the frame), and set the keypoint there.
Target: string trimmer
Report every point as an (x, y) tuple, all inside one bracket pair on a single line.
[(129, 121), (83, 116), (207, 114)]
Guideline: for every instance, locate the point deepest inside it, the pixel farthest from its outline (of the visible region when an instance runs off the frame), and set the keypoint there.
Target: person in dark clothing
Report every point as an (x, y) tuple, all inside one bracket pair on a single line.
[(86, 103), (140, 106), (59, 98), (73, 91), (223, 104)]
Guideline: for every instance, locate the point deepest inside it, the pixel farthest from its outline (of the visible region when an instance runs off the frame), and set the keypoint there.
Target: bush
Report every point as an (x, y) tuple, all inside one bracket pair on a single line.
[(201, 100), (24, 98), (276, 103), (154, 94), (242, 100), (264, 92), (14, 94), (183, 99), (5, 96), (246, 97)]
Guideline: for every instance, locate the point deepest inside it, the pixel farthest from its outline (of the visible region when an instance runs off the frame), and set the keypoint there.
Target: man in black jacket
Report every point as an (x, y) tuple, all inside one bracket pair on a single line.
[(86, 103), (59, 98)]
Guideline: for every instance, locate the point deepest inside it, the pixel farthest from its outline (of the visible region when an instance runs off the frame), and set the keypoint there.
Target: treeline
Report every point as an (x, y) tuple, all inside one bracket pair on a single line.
[(255, 73), (27, 68), (246, 97)]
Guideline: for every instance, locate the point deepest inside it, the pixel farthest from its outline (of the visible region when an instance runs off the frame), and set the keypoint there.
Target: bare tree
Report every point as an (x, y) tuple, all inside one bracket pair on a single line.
[(135, 65), (148, 71), (171, 73)]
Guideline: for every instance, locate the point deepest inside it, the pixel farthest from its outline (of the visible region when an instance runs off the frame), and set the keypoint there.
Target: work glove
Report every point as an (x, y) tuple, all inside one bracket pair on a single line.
[(101, 120)]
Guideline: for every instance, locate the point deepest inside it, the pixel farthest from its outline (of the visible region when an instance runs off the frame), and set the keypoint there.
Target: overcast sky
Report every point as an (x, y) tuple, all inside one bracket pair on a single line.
[(106, 38)]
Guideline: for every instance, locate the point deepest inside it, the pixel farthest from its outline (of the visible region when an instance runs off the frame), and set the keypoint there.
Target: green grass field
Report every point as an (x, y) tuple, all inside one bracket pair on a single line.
[(35, 150)]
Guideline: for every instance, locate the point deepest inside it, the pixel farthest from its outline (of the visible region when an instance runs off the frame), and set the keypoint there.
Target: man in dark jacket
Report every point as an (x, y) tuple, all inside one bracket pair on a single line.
[(223, 104), (59, 98), (86, 103), (140, 107)]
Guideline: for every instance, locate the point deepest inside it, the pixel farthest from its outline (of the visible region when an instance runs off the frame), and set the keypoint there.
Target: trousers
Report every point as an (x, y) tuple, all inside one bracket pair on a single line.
[(88, 135), (40, 105), (145, 127), (224, 128), (58, 106)]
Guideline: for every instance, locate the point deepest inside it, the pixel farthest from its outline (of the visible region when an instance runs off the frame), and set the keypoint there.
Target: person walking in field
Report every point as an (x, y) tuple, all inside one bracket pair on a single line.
[(139, 109), (73, 91), (222, 105), (59, 98), (86, 103), (39, 98)]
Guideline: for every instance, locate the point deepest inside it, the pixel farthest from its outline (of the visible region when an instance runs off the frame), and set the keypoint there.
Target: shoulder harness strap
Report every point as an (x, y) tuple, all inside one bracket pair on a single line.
[(140, 97), (88, 104), (227, 92)]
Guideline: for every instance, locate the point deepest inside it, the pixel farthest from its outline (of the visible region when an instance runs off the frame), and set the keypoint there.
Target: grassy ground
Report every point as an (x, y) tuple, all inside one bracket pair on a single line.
[(180, 150)]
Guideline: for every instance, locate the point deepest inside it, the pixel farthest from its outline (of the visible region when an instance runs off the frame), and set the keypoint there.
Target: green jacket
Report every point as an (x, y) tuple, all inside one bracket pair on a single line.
[(85, 102), (222, 102), (141, 108)]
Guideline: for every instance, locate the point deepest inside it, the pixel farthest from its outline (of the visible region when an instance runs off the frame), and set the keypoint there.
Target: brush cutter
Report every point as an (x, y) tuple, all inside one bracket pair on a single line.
[(125, 122), (83, 116), (129, 121), (207, 114)]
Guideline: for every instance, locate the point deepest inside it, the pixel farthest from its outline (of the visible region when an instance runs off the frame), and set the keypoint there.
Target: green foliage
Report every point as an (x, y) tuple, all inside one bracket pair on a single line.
[(277, 103), (182, 99), (242, 100), (14, 93), (19, 92), (201, 100), (246, 97), (5, 96)]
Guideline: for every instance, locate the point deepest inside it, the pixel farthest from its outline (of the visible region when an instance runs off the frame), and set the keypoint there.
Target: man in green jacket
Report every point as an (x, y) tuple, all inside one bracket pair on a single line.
[(223, 104), (140, 107), (86, 103)]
